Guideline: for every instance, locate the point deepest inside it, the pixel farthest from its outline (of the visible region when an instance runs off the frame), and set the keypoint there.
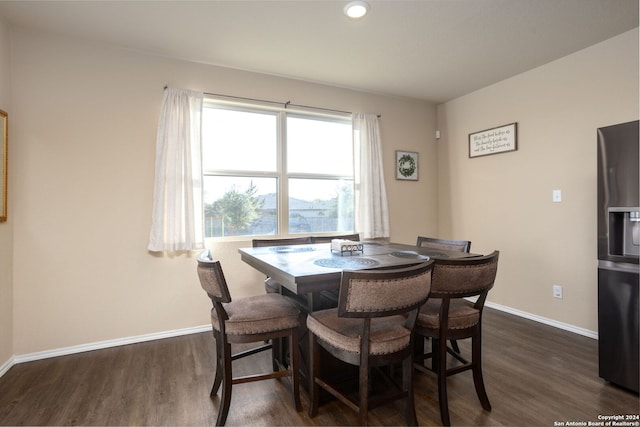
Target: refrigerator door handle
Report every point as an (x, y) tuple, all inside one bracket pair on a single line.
[(618, 266)]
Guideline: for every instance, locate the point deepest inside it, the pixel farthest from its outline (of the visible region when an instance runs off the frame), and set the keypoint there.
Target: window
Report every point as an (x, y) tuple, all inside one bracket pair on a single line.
[(272, 171)]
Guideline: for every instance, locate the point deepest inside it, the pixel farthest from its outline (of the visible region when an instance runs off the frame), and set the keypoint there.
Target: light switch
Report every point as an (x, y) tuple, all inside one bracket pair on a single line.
[(557, 196)]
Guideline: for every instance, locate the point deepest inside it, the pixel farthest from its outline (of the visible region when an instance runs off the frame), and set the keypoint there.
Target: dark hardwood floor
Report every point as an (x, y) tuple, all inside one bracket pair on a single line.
[(535, 375)]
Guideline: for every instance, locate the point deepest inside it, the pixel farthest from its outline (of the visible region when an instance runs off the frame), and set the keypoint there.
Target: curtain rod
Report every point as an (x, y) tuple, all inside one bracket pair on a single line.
[(284, 104)]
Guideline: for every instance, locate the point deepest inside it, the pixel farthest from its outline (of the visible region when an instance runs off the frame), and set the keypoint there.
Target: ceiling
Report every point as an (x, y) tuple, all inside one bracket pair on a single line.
[(434, 50)]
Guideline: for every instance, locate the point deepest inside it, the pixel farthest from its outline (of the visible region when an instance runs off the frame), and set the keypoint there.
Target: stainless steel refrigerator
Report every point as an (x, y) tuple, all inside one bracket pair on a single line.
[(618, 253)]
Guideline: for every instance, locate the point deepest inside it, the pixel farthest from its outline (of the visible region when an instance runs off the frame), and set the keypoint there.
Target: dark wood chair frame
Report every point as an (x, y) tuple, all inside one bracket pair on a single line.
[(452, 245), (440, 336), (225, 357), (327, 239), (259, 243), (363, 359)]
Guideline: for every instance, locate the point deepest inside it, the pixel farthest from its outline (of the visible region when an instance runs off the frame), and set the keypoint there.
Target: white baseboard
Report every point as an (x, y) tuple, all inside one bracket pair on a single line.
[(99, 345), (6, 366), (540, 319), (178, 332)]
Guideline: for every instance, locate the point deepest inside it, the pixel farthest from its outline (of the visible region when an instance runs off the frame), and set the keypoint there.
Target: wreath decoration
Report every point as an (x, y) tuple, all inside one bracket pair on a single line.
[(406, 165)]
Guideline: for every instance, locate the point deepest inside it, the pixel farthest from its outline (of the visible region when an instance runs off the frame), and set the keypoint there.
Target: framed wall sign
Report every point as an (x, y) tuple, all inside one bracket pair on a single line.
[(407, 165), (4, 133), (494, 140)]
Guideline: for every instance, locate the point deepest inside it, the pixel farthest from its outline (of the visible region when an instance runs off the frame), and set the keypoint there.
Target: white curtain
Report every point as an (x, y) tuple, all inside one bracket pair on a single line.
[(177, 217), (372, 212)]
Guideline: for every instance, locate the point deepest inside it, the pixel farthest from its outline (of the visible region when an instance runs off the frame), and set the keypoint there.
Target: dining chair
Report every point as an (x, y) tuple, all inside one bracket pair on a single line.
[(442, 244), (448, 316), (371, 327), (248, 320), (448, 245), (327, 239)]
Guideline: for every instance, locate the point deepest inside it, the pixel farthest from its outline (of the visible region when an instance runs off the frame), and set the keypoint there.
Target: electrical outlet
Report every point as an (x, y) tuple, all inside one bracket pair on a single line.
[(557, 291)]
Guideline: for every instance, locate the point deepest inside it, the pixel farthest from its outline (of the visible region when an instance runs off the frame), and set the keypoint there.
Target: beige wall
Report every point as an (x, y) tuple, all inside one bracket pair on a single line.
[(504, 201), (84, 123), (6, 228)]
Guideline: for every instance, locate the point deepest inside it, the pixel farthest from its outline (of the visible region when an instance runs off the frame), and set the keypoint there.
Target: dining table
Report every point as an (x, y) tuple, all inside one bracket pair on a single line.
[(308, 270), (311, 275)]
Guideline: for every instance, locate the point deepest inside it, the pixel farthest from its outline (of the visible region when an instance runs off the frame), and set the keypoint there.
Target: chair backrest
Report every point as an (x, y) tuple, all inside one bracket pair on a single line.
[(212, 278), (379, 293), (446, 245), (327, 239), (464, 277), (259, 243)]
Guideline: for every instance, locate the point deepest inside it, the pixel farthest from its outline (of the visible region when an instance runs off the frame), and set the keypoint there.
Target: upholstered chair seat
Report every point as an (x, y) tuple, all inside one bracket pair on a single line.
[(388, 334), (257, 315), (462, 314), (271, 286)]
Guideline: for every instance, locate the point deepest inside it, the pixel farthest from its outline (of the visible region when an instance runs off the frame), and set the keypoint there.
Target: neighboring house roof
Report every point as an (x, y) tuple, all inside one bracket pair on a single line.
[(269, 202)]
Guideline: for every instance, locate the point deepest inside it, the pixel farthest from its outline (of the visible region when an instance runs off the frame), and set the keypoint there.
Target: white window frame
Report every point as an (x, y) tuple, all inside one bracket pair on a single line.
[(281, 174)]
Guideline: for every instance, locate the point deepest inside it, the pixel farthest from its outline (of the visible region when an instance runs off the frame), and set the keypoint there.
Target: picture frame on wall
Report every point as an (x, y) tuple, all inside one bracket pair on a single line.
[(407, 165), (496, 140), (4, 134)]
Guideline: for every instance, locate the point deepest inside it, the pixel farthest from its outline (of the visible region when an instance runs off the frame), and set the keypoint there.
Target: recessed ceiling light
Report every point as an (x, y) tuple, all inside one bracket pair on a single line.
[(356, 9)]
